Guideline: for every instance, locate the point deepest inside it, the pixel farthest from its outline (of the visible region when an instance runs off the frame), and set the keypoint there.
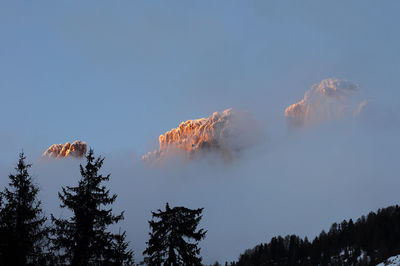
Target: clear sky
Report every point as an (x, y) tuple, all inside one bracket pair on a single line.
[(117, 74)]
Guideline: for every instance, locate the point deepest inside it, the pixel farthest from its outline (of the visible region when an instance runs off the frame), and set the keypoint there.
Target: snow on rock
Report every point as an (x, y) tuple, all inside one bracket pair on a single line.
[(392, 261)]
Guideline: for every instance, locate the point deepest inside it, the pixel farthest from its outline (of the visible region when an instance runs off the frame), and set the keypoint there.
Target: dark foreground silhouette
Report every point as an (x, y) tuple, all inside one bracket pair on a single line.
[(84, 238), (368, 241)]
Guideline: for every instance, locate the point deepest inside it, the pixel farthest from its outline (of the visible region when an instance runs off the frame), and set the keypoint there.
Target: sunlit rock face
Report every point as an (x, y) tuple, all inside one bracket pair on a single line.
[(75, 149), (324, 101), (220, 132)]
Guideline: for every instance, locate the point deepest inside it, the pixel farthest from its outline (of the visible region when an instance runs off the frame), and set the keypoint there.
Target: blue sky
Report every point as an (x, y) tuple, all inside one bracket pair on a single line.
[(119, 74)]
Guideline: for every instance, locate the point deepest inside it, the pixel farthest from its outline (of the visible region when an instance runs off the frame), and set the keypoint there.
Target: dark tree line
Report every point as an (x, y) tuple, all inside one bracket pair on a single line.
[(27, 237), (368, 241)]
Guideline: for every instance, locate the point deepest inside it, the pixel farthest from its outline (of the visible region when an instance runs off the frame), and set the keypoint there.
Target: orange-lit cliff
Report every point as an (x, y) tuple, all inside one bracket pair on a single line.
[(75, 149)]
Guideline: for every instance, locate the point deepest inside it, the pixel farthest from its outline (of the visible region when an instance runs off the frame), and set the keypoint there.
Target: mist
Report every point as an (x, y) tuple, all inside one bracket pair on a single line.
[(294, 182)]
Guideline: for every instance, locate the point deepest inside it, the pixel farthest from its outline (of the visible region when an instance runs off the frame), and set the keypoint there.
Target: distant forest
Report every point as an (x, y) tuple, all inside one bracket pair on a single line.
[(368, 241)]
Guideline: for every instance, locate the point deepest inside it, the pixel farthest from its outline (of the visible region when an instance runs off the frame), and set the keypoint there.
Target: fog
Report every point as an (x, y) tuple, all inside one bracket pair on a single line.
[(295, 182)]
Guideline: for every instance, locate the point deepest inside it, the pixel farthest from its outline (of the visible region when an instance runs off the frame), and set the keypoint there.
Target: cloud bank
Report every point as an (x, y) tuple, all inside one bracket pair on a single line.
[(283, 191)]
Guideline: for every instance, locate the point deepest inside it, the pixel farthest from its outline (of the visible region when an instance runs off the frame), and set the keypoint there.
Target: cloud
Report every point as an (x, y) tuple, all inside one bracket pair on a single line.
[(223, 132), (76, 149), (324, 101), (243, 201)]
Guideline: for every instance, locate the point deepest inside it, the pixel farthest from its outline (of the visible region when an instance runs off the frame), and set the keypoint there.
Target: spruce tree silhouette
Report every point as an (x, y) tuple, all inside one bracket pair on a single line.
[(23, 235), (167, 245), (83, 239)]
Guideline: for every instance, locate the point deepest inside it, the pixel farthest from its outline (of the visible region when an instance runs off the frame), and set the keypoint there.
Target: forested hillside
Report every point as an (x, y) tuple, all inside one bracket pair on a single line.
[(368, 241)]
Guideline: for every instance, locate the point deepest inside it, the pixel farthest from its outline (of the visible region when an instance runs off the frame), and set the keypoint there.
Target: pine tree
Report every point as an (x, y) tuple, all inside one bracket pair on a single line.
[(119, 254), (23, 234), (167, 245), (83, 239)]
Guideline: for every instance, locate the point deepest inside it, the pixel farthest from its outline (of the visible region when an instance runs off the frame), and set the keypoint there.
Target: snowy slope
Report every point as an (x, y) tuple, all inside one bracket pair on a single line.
[(392, 261)]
